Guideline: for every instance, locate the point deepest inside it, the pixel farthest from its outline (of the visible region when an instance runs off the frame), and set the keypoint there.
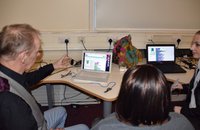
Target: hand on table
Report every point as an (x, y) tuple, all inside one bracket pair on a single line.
[(176, 85)]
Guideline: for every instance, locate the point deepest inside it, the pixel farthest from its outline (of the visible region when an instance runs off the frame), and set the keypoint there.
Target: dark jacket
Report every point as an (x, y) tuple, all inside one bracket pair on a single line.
[(192, 112), (15, 113)]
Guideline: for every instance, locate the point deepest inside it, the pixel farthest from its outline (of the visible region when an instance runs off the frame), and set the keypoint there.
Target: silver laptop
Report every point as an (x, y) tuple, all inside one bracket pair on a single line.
[(95, 67)]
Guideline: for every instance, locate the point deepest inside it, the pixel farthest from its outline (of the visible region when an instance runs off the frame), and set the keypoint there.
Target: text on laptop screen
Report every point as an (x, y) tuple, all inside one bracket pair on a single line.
[(97, 61), (160, 53)]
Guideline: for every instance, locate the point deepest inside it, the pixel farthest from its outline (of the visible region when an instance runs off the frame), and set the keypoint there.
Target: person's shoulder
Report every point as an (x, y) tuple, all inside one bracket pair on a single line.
[(177, 116), (180, 120), (110, 118), (111, 121), (174, 115)]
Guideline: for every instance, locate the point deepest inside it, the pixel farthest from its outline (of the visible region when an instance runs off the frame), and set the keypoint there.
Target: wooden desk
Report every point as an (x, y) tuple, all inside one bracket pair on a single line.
[(98, 91), (183, 78), (91, 89)]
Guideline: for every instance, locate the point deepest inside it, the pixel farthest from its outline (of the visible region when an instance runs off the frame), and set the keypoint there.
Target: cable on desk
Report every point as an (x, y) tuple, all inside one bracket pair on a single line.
[(104, 86)]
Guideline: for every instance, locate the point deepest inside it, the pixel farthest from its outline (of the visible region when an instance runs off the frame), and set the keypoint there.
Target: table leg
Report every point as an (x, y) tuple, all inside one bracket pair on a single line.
[(50, 95), (107, 106)]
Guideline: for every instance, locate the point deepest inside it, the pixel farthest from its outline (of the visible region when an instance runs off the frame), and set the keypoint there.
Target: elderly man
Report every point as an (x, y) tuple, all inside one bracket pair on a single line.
[(19, 47)]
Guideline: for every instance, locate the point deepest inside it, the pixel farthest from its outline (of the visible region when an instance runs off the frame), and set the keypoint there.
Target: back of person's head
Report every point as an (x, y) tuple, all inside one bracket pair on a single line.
[(144, 98), (16, 38)]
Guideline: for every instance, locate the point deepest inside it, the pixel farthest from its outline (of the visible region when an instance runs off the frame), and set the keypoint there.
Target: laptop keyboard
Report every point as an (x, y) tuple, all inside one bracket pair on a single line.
[(170, 68), (92, 76)]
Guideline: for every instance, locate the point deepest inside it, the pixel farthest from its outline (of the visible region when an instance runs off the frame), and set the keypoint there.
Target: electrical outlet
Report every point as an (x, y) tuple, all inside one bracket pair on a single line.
[(62, 39), (110, 41), (112, 38), (149, 38), (66, 41), (176, 37), (81, 39)]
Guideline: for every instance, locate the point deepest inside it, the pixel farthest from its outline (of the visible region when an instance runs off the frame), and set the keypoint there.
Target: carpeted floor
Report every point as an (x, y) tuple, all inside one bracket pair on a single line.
[(82, 114)]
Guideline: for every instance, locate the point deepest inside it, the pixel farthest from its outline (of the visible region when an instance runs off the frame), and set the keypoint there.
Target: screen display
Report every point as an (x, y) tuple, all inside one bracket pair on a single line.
[(97, 61), (160, 53)]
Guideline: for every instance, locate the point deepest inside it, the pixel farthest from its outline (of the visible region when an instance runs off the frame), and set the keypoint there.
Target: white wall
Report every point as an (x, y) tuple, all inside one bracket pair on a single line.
[(71, 19), (147, 14), (54, 42), (46, 15)]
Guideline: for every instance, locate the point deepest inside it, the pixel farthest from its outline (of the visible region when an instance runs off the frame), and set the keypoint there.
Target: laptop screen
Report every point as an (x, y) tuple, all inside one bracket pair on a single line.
[(159, 53), (96, 61)]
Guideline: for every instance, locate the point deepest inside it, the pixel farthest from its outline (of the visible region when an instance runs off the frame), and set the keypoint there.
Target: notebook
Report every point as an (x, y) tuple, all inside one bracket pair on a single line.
[(163, 57), (95, 66)]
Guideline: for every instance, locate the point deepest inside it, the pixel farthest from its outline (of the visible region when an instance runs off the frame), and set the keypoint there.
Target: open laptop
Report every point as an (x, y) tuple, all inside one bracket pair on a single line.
[(163, 57), (95, 66)]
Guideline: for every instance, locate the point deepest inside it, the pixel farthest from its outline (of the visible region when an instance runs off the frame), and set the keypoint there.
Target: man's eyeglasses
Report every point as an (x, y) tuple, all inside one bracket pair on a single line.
[(197, 44)]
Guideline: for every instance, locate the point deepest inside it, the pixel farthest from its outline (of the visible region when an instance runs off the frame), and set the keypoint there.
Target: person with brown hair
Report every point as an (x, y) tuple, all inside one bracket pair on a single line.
[(144, 103)]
